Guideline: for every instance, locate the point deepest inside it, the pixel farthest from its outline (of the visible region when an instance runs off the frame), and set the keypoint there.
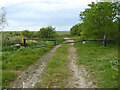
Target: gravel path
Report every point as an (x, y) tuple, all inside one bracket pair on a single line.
[(29, 77), (80, 78)]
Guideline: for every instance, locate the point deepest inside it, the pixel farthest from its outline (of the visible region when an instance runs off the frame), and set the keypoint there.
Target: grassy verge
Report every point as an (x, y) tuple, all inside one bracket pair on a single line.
[(99, 61), (19, 60), (57, 68)]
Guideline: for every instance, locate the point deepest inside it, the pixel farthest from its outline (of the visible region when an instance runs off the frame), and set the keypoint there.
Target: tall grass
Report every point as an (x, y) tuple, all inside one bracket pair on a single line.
[(19, 60)]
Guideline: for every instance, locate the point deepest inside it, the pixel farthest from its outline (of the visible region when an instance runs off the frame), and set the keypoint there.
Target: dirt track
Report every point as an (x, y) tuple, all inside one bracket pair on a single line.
[(29, 77), (80, 78)]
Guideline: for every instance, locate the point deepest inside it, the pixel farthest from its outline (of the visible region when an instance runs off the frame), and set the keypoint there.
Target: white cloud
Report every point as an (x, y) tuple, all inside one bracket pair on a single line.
[(54, 4), (32, 14)]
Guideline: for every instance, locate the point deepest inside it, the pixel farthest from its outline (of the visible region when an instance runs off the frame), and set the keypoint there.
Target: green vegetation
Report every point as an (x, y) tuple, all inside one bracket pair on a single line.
[(19, 60), (75, 30), (22, 58), (7, 77), (63, 32), (99, 61), (99, 19), (14, 58), (9, 48), (12, 41), (28, 34), (8, 34), (48, 32), (57, 68)]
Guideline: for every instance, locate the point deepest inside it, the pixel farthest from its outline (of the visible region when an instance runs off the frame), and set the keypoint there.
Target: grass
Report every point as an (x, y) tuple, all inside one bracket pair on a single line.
[(19, 60), (97, 60), (14, 59), (22, 58), (9, 48), (63, 32), (57, 68), (7, 77), (10, 34)]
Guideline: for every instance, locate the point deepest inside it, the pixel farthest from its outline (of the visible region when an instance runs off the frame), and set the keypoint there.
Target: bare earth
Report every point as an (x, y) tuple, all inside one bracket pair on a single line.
[(80, 78)]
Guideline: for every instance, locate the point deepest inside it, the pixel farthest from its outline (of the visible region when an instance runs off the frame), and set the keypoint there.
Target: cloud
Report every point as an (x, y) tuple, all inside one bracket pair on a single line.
[(33, 14)]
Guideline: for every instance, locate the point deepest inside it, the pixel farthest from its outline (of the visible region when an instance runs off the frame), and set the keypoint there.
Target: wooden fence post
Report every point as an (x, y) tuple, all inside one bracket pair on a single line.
[(24, 42), (54, 42), (104, 41)]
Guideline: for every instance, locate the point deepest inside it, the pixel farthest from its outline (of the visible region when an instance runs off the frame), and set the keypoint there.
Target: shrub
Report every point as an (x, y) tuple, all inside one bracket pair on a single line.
[(28, 34), (17, 34), (15, 40), (12, 40), (48, 32), (76, 29)]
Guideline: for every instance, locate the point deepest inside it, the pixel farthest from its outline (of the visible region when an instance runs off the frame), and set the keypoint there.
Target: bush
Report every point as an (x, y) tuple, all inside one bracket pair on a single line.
[(75, 30), (16, 40), (17, 34), (28, 34), (12, 40), (48, 32)]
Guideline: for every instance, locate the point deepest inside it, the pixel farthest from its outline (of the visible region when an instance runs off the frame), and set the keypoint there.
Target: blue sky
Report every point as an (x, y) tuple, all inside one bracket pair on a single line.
[(34, 14)]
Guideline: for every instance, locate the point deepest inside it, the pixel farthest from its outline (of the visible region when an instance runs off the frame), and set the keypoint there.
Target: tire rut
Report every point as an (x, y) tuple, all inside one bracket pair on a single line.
[(29, 77), (80, 78)]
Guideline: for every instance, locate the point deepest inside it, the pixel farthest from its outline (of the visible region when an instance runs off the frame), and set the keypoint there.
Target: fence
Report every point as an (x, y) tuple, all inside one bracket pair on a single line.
[(78, 40)]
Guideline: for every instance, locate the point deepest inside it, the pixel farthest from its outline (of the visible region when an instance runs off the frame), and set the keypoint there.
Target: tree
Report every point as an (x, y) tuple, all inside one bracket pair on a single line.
[(28, 34), (76, 29), (48, 32), (99, 19), (2, 17)]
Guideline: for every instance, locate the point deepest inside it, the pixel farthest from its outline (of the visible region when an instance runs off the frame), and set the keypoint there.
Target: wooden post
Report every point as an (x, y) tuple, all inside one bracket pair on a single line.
[(104, 41), (54, 42), (24, 42)]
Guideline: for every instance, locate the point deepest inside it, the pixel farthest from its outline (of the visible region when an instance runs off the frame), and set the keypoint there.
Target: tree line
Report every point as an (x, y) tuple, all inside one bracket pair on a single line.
[(99, 19), (44, 32)]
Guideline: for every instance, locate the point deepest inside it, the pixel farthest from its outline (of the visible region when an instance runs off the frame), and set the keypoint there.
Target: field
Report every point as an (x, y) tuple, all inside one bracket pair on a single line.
[(14, 33), (63, 32), (101, 63)]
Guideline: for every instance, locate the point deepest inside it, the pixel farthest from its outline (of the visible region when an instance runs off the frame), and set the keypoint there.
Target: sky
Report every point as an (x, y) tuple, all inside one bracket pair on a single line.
[(34, 14)]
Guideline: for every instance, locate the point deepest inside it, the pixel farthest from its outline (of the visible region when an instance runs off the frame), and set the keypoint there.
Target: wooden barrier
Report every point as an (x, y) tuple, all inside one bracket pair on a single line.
[(78, 40)]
